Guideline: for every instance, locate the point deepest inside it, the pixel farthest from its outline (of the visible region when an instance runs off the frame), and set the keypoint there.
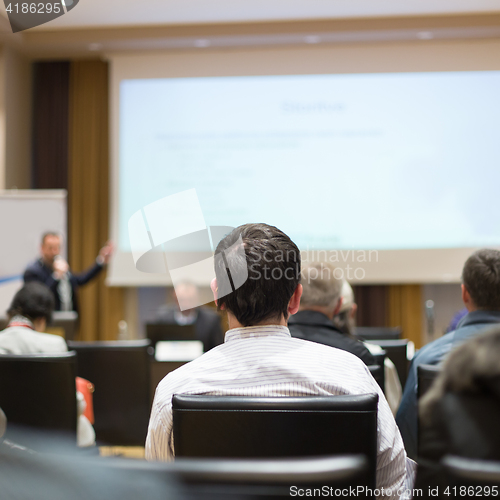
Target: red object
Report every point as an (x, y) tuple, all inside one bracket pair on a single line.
[(87, 389)]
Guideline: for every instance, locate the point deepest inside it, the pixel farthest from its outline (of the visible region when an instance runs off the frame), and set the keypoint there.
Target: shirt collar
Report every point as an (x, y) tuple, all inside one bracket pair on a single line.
[(248, 332), (19, 320), (479, 316)]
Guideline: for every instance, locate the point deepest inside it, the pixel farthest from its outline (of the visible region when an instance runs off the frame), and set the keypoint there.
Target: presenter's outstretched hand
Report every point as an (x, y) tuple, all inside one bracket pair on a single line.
[(106, 252)]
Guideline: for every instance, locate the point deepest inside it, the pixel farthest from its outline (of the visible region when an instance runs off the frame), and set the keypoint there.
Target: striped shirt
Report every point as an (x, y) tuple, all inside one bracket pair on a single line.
[(267, 361)]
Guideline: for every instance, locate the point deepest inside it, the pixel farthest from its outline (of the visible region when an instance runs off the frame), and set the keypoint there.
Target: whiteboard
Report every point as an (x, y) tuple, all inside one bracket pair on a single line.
[(24, 216)]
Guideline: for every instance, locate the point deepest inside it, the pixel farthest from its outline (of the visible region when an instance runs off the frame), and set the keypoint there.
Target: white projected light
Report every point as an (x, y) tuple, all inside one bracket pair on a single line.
[(381, 162)]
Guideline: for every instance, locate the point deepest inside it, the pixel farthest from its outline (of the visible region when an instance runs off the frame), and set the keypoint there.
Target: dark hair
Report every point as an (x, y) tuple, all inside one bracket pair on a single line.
[(33, 301), (257, 269), (49, 233), (481, 278)]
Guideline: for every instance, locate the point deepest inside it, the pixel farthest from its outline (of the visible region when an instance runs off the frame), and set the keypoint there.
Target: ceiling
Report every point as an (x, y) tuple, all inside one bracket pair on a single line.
[(96, 27), (118, 13)]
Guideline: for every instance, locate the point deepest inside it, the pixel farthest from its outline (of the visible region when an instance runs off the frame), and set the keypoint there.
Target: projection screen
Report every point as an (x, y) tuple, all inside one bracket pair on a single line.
[(389, 175)]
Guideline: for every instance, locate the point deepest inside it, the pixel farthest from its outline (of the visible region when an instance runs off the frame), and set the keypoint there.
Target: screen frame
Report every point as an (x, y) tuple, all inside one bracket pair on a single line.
[(422, 266)]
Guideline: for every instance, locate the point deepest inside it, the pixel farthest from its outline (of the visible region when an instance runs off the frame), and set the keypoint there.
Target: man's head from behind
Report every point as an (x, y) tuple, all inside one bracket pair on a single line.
[(481, 280), (322, 285), (50, 247), (35, 302), (272, 260)]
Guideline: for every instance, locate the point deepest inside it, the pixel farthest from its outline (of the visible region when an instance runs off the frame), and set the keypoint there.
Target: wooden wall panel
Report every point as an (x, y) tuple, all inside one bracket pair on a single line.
[(101, 307)]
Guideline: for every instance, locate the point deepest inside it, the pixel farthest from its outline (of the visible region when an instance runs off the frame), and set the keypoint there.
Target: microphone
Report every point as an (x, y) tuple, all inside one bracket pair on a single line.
[(429, 314), (64, 265)]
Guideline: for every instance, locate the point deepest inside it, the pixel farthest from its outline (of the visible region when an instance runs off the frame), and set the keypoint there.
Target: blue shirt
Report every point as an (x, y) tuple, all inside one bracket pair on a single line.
[(432, 354)]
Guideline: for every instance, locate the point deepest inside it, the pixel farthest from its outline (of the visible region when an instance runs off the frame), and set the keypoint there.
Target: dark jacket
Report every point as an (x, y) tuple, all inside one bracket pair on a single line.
[(316, 327), (207, 325), (38, 271)]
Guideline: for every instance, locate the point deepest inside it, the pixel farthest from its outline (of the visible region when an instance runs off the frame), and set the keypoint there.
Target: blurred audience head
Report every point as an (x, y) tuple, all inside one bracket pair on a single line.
[(263, 264), (50, 247), (345, 320), (186, 297), (35, 302), (472, 368), (481, 281), (322, 287)]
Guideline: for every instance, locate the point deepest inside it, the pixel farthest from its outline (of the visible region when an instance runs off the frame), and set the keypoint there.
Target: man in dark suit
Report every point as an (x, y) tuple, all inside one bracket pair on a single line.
[(321, 301), (207, 322), (52, 270)]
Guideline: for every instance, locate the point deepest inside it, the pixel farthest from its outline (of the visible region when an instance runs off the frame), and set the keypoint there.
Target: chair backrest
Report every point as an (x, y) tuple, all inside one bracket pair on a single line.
[(247, 479), (397, 352), (38, 391), (378, 374), (380, 358), (426, 374), (377, 333), (276, 427), (63, 472), (471, 472), (120, 372), (261, 479)]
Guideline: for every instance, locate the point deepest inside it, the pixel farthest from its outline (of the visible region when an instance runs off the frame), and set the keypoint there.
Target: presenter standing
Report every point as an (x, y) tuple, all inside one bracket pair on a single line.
[(52, 270)]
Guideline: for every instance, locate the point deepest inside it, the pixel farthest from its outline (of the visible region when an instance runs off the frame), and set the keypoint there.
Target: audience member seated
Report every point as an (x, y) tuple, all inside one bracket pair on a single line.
[(481, 296), (321, 301), (52, 270), (459, 415), (207, 322), (345, 321), (29, 313), (260, 358)]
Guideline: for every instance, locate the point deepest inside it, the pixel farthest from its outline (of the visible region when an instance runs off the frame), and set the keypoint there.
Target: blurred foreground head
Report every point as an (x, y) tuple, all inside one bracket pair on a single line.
[(471, 368)]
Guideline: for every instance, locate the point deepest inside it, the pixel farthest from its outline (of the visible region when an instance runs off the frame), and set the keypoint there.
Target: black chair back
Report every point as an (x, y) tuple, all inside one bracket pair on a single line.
[(259, 479), (120, 372), (38, 391), (397, 352), (377, 333), (475, 477), (378, 374), (426, 374), (276, 427), (243, 479), (380, 358)]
